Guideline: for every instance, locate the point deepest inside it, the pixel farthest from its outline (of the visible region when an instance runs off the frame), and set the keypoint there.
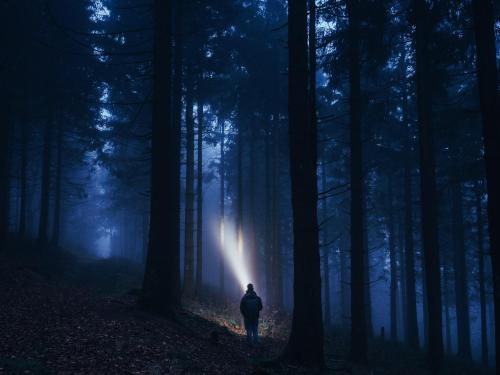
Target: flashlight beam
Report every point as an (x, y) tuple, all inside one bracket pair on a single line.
[(231, 248)]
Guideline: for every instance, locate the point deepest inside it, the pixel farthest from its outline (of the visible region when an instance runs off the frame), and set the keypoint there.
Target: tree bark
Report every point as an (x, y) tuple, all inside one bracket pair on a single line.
[(199, 211), (161, 287), (487, 75), (188, 287), (305, 345), (428, 186), (326, 249)]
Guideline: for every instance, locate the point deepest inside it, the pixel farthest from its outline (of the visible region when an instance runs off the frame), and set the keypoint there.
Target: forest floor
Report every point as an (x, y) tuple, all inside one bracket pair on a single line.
[(62, 316)]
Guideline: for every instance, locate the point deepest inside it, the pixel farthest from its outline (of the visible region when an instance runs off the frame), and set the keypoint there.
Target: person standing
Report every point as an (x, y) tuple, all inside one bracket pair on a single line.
[(250, 307)]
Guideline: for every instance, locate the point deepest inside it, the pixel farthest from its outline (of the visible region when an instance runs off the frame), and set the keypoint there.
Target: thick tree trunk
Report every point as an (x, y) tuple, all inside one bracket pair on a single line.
[(428, 186), (393, 264), (46, 178), (487, 75), (199, 211), (461, 286), (481, 275), (358, 283), (222, 177), (161, 287), (188, 287), (56, 234), (305, 345)]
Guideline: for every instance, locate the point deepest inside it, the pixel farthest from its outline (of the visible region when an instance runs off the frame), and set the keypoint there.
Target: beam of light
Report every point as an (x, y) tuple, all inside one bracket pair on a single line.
[(231, 248), (240, 242), (222, 233)]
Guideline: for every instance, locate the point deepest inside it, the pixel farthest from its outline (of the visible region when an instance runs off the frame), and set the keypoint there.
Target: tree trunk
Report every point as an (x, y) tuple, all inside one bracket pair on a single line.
[(393, 264), (305, 345), (402, 277), (446, 294), (411, 295), (188, 287), (344, 280), (253, 253), (199, 211), (239, 183), (358, 287), (56, 234), (482, 288), (326, 249), (428, 186), (276, 257), (46, 177), (161, 287), (461, 286), (367, 267), (268, 216), (490, 108), (222, 205)]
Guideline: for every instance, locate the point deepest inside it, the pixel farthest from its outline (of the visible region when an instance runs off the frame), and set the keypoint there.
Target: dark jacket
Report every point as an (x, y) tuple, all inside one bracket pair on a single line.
[(250, 306)]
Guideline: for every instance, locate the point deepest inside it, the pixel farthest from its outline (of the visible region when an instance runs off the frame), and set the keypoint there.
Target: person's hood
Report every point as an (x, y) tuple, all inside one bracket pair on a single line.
[(251, 293)]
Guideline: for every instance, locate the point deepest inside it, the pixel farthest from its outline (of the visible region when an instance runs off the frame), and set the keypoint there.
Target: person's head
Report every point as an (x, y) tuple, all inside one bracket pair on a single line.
[(250, 288)]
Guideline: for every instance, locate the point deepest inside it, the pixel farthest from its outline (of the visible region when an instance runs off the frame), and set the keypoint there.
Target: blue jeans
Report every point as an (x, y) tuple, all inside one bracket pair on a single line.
[(252, 328)]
